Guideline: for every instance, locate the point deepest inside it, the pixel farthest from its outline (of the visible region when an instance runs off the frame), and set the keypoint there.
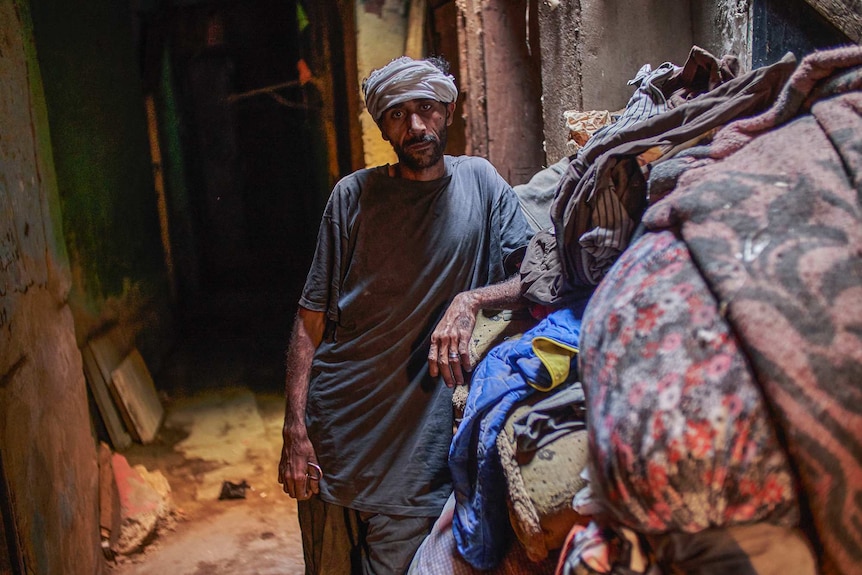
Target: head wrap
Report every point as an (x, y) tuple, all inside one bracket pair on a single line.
[(406, 79)]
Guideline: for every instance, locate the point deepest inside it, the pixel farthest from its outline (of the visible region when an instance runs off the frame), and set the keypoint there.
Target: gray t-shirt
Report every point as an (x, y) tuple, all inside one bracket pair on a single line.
[(391, 255)]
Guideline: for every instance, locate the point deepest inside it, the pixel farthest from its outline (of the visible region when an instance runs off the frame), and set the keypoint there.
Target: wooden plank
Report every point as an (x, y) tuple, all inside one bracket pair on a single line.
[(443, 38), (513, 108), (471, 50), (161, 198), (136, 394), (846, 15), (107, 352), (120, 439), (11, 554)]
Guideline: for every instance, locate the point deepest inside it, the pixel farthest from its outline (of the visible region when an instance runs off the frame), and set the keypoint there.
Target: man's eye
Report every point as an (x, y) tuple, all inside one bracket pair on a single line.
[(396, 114)]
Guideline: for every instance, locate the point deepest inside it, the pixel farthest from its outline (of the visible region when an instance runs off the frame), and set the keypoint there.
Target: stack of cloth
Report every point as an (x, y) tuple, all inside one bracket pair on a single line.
[(721, 354), (704, 258)]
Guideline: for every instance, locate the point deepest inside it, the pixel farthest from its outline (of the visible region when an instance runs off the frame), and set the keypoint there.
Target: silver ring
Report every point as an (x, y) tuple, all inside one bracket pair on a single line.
[(318, 472), (454, 356)]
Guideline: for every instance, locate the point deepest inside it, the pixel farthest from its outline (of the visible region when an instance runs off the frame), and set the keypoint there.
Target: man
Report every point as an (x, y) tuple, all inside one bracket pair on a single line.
[(368, 422)]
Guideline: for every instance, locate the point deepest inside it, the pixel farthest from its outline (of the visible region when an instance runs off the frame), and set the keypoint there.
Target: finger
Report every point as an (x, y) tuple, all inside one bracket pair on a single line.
[(455, 365), (298, 482), (445, 370), (457, 374), (283, 477), (293, 485), (433, 369), (314, 486), (304, 492), (464, 352), (432, 361)]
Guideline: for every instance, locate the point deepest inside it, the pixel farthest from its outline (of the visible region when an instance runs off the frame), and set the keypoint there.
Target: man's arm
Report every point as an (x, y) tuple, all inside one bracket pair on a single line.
[(297, 452), (450, 341)]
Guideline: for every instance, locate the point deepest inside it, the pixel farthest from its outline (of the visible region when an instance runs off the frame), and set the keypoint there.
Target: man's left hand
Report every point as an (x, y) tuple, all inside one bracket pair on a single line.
[(449, 354)]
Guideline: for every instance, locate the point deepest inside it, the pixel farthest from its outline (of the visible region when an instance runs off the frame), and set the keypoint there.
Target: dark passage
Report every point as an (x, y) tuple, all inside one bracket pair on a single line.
[(253, 157)]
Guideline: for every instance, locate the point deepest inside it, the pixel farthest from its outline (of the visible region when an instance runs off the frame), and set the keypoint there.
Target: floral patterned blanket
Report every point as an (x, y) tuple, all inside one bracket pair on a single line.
[(723, 352)]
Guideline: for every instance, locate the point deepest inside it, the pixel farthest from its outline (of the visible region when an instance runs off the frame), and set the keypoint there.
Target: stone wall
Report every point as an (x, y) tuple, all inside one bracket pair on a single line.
[(46, 445), (91, 80), (723, 27)]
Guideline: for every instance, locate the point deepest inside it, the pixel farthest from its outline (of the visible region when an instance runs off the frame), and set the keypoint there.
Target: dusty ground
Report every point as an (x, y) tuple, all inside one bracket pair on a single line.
[(224, 412)]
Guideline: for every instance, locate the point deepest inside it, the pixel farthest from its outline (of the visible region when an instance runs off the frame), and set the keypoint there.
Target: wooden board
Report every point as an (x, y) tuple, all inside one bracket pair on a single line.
[(414, 46), (120, 439), (108, 354), (136, 396), (843, 14)]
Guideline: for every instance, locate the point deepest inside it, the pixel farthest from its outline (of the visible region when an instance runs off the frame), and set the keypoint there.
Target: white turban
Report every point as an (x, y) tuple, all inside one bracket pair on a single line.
[(406, 79)]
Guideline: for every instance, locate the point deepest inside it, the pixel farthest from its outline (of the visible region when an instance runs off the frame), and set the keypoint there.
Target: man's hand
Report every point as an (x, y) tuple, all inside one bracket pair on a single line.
[(449, 354), (298, 471)]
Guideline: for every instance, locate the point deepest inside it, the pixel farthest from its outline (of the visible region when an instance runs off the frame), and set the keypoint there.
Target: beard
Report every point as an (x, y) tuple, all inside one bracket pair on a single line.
[(426, 157)]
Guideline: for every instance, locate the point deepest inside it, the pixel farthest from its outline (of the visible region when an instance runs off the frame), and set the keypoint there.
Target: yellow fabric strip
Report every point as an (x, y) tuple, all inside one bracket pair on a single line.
[(556, 357)]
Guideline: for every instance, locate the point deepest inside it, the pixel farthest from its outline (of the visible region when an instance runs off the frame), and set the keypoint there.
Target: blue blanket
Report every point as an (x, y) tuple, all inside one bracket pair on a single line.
[(481, 525)]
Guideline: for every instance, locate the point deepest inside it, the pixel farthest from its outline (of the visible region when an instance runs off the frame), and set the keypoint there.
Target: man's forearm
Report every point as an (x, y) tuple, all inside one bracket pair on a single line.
[(305, 337), (503, 295), (297, 453)]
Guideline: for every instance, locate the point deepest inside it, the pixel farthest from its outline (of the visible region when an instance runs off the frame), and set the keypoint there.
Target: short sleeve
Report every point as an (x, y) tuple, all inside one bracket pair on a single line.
[(515, 232), (320, 292)]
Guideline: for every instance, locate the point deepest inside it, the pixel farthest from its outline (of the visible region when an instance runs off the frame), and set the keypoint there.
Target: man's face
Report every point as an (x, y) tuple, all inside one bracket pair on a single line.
[(417, 131)]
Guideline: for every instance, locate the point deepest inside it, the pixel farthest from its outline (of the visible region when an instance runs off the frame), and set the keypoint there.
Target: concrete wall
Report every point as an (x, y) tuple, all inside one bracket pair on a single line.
[(80, 251), (591, 48), (562, 81), (47, 449), (618, 37), (723, 27)]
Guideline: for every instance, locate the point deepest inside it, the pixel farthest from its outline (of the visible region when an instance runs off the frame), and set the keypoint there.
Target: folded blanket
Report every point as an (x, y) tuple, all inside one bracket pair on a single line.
[(774, 225), (481, 526), (543, 451)]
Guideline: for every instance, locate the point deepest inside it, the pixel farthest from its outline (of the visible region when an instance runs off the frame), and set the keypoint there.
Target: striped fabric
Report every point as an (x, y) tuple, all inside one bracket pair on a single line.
[(602, 195)]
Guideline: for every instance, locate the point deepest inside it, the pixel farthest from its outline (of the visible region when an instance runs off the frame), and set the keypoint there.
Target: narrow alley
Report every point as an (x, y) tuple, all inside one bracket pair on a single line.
[(165, 166), (223, 416)]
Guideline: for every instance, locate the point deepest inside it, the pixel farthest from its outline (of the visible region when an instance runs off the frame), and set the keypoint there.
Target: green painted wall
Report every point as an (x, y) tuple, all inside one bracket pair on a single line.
[(98, 130)]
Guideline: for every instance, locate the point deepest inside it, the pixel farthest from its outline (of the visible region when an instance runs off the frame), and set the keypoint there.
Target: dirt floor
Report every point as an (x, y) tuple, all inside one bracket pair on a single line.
[(224, 408)]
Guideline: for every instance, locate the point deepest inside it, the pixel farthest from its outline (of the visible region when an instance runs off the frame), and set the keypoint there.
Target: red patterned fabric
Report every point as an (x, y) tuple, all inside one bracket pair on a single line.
[(775, 226), (680, 436)]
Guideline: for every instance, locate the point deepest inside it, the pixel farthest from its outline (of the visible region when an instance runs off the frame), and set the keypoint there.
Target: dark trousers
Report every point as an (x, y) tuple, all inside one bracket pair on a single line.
[(338, 540)]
